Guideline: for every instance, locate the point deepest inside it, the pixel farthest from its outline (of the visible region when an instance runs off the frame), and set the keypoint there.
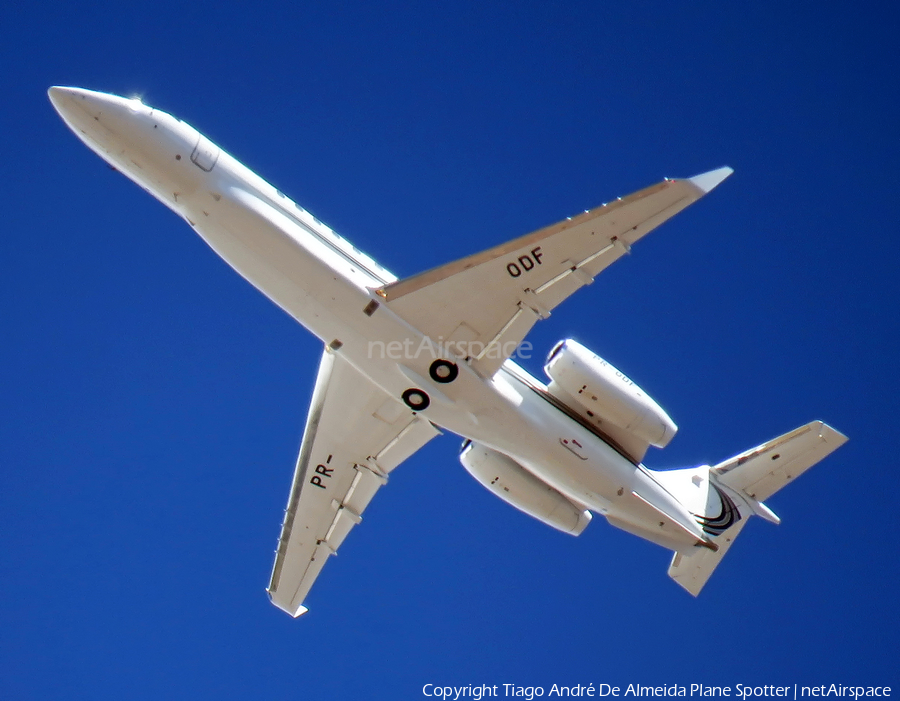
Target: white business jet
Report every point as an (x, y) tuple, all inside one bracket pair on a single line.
[(404, 359)]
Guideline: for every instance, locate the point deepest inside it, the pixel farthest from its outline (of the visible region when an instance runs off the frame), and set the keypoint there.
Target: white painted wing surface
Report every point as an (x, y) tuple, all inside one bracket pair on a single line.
[(489, 301), (355, 435), (762, 471)]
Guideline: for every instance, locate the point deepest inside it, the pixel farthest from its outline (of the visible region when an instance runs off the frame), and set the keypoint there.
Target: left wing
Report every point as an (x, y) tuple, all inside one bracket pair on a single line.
[(355, 435), (489, 301)]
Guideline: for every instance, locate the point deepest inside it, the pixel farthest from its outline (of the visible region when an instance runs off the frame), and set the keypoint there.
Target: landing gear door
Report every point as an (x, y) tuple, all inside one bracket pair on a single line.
[(205, 154)]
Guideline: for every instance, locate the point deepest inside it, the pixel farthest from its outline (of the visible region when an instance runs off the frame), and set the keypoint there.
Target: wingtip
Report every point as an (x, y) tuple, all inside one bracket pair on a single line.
[(831, 435), (295, 612), (709, 180)]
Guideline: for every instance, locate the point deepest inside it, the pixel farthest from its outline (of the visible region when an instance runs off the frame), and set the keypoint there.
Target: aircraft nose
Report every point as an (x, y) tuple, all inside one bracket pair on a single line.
[(123, 131), (149, 146), (65, 101), (83, 110), (60, 97), (58, 94)]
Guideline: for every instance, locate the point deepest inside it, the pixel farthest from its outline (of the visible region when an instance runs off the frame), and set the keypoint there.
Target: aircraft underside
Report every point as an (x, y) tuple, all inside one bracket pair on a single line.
[(405, 359)]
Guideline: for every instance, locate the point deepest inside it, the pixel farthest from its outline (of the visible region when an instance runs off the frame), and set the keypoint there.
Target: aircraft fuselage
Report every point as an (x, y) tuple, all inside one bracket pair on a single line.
[(331, 288)]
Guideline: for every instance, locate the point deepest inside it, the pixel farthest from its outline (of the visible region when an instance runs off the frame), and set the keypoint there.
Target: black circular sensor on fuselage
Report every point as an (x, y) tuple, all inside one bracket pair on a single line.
[(443, 371), (416, 399)]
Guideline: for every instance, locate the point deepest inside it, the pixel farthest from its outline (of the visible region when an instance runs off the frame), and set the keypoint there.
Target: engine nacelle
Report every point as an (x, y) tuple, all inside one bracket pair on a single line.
[(518, 487), (606, 395)]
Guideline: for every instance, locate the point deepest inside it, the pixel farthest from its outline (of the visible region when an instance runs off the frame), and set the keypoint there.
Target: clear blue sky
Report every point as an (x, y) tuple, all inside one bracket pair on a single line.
[(153, 402)]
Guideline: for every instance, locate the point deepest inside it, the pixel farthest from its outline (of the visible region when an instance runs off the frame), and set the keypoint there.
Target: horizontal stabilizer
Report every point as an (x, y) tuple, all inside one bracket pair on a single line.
[(735, 490), (762, 471), (692, 570)]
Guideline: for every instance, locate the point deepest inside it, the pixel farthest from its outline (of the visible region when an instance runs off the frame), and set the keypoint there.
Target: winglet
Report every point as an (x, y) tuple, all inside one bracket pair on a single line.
[(707, 181)]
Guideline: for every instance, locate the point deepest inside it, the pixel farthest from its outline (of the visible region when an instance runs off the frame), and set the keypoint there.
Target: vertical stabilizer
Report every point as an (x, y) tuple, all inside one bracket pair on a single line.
[(723, 497)]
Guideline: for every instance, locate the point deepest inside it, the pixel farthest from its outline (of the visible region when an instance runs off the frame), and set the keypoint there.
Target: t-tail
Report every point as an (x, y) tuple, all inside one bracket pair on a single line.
[(723, 497)]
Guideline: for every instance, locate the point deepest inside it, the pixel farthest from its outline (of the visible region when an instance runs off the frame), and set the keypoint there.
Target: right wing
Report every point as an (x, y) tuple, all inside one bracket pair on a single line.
[(355, 435)]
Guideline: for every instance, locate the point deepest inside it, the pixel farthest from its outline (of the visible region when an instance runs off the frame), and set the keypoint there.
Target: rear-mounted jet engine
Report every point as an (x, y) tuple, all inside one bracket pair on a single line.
[(511, 482), (613, 403)]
